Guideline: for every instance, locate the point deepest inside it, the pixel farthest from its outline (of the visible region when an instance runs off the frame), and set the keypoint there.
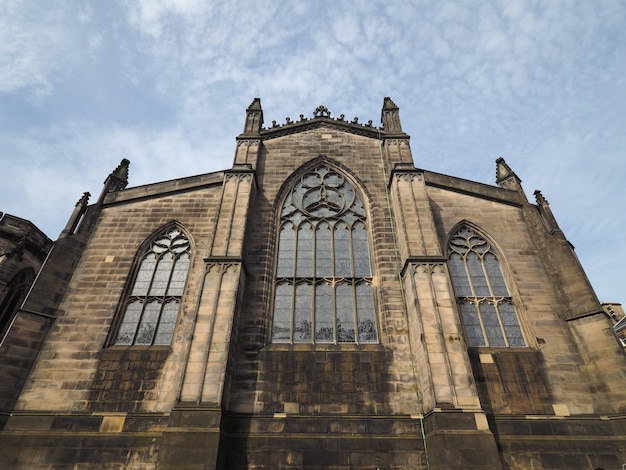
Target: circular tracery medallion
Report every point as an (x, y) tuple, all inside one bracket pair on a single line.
[(323, 193)]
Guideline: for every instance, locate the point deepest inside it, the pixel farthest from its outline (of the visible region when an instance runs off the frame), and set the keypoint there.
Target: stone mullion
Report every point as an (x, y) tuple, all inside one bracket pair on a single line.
[(496, 305), (493, 298)]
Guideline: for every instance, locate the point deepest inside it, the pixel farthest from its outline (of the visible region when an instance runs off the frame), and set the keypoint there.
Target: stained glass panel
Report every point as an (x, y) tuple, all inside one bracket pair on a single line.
[(495, 275), (324, 322), (511, 324), (323, 251), (149, 320), (492, 325), (459, 276), (304, 264), (477, 275), (365, 312), (303, 315), (167, 322), (127, 330), (360, 251), (144, 275), (344, 302), (471, 321), (179, 276), (281, 327), (286, 251), (162, 275), (343, 265)]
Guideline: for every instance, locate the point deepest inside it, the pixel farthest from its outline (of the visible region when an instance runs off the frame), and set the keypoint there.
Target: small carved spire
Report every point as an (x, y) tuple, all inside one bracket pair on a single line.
[(84, 199), (502, 169), (77, 213), (505, 177), (254, 117), (255, 105), (390, 117), (541, 201), (389, 104), (547, 217), (116, 181), (121, 172)]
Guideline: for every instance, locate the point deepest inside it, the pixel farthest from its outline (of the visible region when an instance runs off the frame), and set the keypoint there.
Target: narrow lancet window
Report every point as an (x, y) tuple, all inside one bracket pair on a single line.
[(15, 294), (484, 301), (151, 308), (323, 291)]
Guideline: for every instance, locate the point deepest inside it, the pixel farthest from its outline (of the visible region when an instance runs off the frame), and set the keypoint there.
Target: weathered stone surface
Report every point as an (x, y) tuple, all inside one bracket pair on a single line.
[(223, 396)]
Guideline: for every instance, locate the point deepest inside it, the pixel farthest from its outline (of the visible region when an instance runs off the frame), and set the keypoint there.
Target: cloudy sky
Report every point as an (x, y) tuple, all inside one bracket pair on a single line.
[(165, 83)]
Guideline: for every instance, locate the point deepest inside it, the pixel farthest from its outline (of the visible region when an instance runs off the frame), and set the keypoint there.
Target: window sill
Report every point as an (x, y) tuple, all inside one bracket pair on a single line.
[(137, 347), (342, 347), (502, 349)]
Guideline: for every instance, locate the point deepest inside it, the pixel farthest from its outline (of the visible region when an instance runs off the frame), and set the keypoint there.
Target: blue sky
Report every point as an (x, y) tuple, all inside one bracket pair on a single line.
[(165, 83)]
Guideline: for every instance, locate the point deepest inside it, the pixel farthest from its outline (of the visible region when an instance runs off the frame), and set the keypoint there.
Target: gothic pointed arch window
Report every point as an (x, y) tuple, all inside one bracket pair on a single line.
[(15, 293), (484, 300), (153, 295), (323, 286)]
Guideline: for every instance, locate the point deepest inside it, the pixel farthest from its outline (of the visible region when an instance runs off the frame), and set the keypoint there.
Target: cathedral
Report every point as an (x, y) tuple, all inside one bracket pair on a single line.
[(322, 304)]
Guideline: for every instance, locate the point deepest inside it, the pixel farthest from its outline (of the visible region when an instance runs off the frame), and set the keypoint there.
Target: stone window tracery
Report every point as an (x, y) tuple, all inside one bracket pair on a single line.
[(323, 287), (151, 307), (486, 306), (16, 292)]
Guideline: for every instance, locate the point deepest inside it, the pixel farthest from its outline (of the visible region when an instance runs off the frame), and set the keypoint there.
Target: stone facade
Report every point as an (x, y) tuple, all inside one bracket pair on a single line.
[(221, 393)]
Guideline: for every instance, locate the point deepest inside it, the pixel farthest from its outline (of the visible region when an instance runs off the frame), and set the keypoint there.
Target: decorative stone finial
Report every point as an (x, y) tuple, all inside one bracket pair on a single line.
[(79, 211), (116, 181), (545, 212), (121, 172), (255, 105), (84, 199), (389, 104), (541, 201), (502, 170), (254, 118), (505, 177), (321, 111), (390, 117)]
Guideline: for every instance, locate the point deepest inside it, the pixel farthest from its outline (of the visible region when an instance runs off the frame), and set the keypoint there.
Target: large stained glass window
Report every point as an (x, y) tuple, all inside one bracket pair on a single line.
[(486, 306), (151, 307), (323, 290)]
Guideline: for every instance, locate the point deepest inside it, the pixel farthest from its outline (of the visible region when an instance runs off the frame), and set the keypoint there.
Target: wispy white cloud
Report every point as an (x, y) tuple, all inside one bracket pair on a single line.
[(165, 83), (30, 56)]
